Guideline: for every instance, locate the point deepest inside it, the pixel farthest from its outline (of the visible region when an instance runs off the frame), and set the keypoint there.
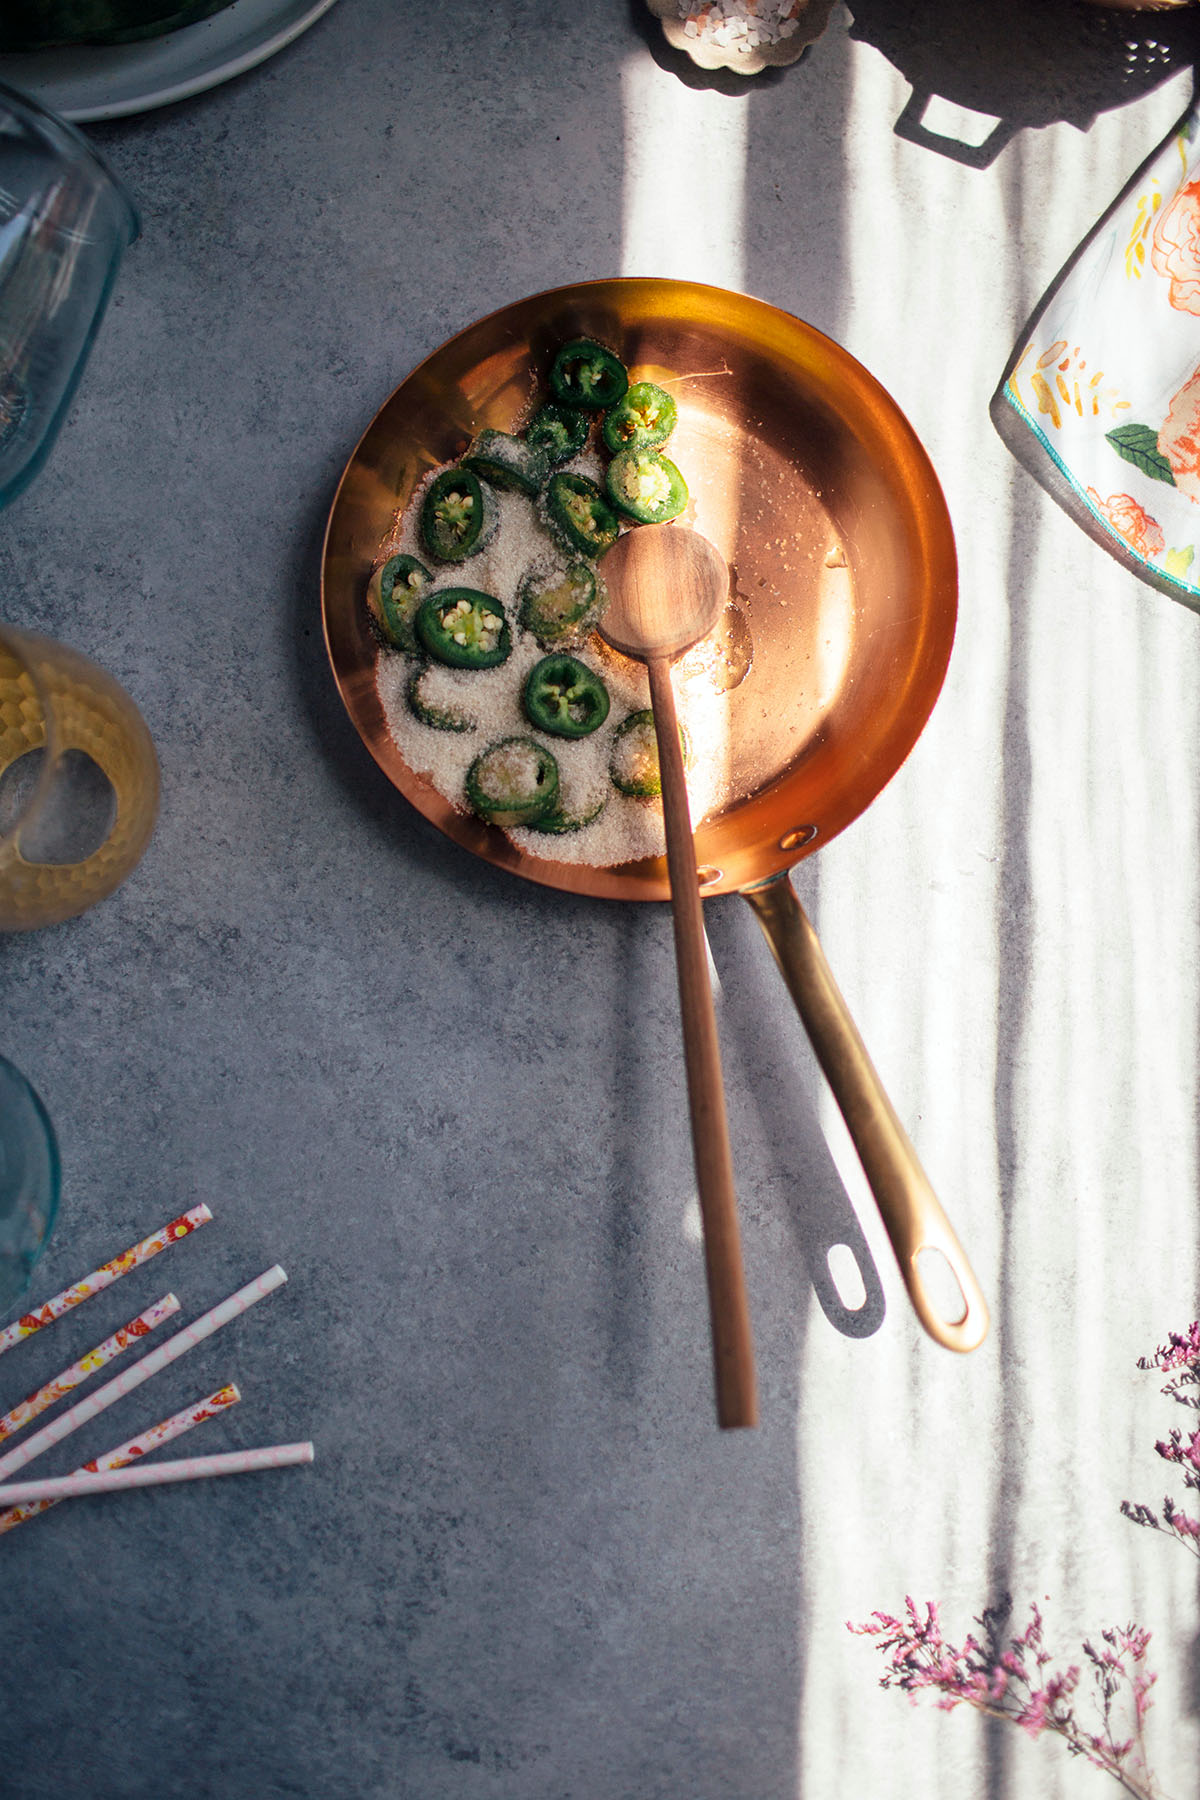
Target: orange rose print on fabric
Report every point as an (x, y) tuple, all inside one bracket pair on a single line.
[(1179, 437), (1175, 248), (1131, 522)]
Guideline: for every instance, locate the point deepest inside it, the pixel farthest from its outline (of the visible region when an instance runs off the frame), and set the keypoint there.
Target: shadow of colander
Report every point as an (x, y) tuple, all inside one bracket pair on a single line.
[(1027, 63)]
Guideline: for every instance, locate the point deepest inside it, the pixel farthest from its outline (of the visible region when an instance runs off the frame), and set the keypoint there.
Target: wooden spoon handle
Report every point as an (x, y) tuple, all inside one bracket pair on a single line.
[(733, 1347)]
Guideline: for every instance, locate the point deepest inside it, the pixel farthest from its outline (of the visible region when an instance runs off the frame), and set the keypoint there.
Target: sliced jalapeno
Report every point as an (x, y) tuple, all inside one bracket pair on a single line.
[(464, 628), (645, 417), (559, 432), (513, 782), (431, 709), (646, 487), (564, 697), (585, 374), (508, 462), (566, 818), (560, 610), (634, 764), (394, 592), (580, 515), (458, 515)]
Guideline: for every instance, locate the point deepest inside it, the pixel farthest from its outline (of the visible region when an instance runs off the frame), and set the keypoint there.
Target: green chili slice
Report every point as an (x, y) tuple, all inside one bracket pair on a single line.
[(645, 417), (560, 610), (394, 592), (458, 515), (646, 487), (508, 462), (464, 628), (426, 705), (579, 514), (562, 819), (564, 697), (634, 766), (513, 782), (559, 432), (586, 374)]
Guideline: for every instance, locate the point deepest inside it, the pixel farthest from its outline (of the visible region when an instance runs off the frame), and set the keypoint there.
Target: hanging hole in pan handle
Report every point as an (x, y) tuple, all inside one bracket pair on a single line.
[(941, 1283), (938, 1279)]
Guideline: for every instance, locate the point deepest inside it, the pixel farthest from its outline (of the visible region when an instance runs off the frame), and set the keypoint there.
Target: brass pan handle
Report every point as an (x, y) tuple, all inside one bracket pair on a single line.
[(911, 1213)]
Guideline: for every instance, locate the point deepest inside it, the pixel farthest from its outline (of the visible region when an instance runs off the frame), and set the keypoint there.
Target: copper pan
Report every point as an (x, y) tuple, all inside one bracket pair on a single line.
[(813, 486)]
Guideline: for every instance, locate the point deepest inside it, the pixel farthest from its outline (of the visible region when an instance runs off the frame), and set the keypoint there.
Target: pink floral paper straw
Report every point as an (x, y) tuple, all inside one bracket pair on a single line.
[(133, 1449), (103, 1277), (120, 1341), (192, 1468), (128, 1379)]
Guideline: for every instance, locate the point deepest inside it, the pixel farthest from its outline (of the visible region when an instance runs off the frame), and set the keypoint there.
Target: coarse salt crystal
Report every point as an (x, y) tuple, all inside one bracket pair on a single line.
[(740, 24)]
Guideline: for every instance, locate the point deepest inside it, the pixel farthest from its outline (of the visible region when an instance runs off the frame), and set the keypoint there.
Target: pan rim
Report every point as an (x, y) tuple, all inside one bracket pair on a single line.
[(647, 880)]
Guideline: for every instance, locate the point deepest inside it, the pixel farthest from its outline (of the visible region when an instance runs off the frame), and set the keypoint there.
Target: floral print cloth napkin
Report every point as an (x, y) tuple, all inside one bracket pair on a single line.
[(1108, 378)]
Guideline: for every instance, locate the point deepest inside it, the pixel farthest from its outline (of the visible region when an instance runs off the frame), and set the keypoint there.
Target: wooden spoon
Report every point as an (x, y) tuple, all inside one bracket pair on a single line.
[(666, 588)]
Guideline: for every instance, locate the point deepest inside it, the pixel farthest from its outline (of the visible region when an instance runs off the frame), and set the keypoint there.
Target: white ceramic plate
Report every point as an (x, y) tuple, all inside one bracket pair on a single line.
[(93, 82)]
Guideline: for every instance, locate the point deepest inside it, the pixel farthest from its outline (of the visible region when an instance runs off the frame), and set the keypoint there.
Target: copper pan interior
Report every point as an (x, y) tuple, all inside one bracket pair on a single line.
[(812, 485)]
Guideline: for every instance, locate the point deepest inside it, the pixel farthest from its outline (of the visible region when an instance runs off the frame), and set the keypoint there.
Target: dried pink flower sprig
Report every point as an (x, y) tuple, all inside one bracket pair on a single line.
[(1017, 1680), (1181, 1351), (1181, 1357)]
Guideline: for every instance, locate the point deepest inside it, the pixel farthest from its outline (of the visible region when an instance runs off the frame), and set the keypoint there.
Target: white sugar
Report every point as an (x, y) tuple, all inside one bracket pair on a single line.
[(626, 829)]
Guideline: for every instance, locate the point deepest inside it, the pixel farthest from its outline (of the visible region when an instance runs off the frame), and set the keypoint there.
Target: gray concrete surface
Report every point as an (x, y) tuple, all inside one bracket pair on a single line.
[(525, 1564)]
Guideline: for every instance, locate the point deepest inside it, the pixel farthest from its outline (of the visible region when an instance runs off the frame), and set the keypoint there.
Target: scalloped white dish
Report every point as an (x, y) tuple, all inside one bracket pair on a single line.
[(90, 82), (741, 58)]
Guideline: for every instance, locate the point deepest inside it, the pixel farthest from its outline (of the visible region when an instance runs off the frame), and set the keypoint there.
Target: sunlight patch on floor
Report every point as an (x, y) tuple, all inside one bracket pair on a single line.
[(1013, 922), (681, 142)]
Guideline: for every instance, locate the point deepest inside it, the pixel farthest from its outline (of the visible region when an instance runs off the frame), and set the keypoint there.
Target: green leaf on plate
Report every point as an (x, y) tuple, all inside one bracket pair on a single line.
[(1138, 444), (1178, 562)]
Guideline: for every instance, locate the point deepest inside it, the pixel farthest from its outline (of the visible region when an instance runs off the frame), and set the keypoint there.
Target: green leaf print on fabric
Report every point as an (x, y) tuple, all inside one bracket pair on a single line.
[(1138, 444)]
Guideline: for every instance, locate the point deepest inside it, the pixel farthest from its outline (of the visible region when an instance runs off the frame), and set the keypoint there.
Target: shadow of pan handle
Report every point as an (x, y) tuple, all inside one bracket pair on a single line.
[(854, 1321), (908, 1206)]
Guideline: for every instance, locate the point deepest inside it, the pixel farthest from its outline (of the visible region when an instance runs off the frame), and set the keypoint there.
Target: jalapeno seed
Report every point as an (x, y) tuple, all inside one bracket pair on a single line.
[(559, 432), (394, 592), (464, 628), (646, 487), (459, 516), (579, 514), (585, 373), (645, 417), (564, 697)]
